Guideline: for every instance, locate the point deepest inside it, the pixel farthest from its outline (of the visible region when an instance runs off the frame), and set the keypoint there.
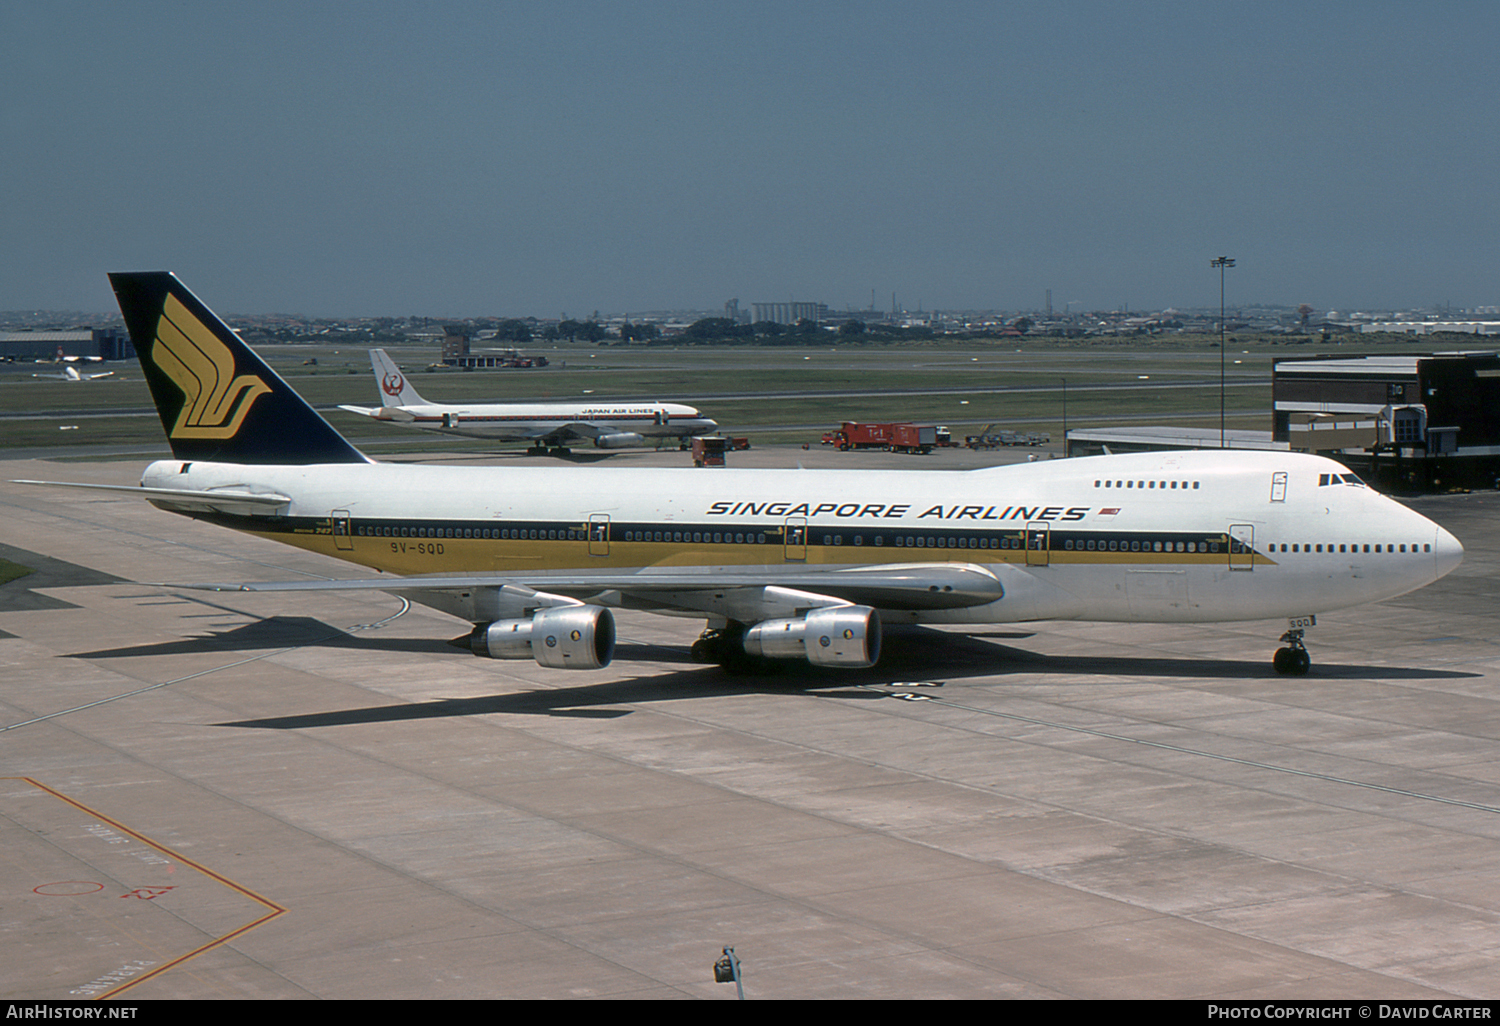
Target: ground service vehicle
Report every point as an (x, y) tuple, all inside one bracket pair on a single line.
[(913, 438), (853, 435), (708, 450)]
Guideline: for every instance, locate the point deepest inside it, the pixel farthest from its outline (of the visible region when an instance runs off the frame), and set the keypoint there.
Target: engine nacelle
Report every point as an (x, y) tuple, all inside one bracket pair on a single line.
[(621, 440), (562, 637), (847, 636)]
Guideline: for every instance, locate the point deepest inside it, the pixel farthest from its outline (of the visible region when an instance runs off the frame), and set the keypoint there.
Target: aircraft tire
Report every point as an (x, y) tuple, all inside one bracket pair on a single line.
[(1293, 662)]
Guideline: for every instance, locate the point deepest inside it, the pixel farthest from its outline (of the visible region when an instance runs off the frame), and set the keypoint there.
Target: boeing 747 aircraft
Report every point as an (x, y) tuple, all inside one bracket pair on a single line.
[(781, 564), (604, 425)]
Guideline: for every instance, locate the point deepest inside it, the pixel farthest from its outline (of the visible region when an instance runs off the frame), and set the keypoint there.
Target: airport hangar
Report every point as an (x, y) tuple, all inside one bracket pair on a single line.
[(1405, 423), (105, 343)]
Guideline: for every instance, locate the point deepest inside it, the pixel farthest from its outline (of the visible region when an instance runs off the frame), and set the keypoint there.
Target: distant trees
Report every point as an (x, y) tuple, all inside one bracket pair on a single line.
[(641, 331), (513, 330), (708, 328), (590, 331)]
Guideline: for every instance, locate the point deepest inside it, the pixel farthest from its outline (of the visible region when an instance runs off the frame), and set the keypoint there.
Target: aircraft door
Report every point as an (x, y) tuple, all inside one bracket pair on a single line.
[(343, 538), (598, 534), (1278, 486), (1038, 543), (796, 540), (1241, 547)]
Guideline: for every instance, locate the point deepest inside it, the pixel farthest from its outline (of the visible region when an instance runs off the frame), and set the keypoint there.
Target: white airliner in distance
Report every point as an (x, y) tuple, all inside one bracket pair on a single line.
[(71, 373), (604, 425), (781, 564)]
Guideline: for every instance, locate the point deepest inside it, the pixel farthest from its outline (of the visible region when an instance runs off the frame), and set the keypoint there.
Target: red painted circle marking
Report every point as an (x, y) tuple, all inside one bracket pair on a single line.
[(51, 890)]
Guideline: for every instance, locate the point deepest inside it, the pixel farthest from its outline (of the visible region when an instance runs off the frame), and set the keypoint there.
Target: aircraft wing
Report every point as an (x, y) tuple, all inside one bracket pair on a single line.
[(393, 413), (578, 429), (904, 586)]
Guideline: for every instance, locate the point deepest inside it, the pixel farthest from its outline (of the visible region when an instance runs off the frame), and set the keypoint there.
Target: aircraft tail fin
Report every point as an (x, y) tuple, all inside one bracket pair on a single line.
[(395, 390), (218, 401)]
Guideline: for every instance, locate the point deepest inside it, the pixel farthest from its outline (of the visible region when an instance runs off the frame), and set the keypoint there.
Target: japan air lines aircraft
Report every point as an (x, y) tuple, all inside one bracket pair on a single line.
[(604, 425), (781, 564)]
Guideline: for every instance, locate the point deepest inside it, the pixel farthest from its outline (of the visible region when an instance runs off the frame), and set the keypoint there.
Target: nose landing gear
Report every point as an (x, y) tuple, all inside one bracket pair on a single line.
[(1292, 660)]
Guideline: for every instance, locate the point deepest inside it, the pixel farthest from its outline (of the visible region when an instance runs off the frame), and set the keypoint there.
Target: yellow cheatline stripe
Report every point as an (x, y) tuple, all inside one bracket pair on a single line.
[(471, 555)]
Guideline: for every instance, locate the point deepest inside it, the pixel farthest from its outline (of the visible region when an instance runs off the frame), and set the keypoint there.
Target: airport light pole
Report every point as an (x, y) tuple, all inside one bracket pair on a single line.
[(1065, 417), (1221, 263)]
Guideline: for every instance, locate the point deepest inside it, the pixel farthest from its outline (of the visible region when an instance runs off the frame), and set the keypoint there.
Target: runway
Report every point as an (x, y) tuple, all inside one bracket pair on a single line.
[(314, 796)]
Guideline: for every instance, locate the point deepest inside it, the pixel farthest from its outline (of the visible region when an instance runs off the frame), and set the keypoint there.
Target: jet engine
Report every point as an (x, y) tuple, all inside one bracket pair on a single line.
[(620, 440), (562, 637), (844, 636)]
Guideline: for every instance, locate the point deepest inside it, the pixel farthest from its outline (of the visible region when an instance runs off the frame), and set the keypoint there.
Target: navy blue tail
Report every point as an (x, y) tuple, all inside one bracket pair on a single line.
[(218, 401)]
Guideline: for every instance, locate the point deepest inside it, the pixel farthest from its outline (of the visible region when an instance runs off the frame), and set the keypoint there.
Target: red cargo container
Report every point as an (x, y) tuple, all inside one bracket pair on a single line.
[(860, 436), (913, 438)]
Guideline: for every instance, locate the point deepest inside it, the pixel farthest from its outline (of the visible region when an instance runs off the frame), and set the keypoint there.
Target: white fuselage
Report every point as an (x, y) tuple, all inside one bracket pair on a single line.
[(527, 421), (1154, 537)]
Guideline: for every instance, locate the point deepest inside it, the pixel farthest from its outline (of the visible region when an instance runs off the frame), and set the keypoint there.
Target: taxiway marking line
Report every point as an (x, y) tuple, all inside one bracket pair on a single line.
[(275, 910)]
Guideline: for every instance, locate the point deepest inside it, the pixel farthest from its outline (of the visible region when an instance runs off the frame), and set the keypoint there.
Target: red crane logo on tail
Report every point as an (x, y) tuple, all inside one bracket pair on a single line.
[(392, 384)]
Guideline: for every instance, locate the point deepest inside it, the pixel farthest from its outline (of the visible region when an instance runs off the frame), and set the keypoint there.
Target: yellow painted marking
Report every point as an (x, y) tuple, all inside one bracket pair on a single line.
[(273, 910), (473, 555)]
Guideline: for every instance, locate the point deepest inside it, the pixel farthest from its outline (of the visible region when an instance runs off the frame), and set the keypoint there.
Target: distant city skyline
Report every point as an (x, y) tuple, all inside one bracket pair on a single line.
[(34, 319), (526, 159)]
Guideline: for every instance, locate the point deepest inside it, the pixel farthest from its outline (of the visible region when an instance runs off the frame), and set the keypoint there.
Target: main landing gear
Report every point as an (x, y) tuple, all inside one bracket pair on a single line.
[(726, 646), (1292, 660)]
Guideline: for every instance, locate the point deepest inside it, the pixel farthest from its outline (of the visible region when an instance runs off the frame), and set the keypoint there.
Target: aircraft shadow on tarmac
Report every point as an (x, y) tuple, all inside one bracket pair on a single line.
[(911, 655), (275, 632), (23, 594)]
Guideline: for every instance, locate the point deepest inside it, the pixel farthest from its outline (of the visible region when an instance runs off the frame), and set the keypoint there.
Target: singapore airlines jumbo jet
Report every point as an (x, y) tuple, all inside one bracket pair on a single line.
[(790, 564), (604, 425)]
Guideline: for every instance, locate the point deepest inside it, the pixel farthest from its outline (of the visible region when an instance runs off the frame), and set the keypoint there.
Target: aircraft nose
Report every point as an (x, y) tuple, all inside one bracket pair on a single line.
[(1448, 553)]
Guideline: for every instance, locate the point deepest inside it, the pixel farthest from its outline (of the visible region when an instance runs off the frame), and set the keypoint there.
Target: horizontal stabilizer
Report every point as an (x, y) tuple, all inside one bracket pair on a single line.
[(216, 498)]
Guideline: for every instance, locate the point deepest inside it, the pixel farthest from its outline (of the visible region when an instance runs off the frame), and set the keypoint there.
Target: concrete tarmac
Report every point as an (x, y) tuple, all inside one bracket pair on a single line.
[(314, 796)]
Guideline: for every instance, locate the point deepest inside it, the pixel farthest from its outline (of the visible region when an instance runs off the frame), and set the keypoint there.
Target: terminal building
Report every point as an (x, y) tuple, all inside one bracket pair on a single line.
[(1402, 422), (30, 346), (1413, 422), (1106, 441)]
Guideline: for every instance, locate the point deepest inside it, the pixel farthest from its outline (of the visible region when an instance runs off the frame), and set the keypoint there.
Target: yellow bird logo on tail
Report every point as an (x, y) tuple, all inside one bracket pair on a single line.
[(216, 399)]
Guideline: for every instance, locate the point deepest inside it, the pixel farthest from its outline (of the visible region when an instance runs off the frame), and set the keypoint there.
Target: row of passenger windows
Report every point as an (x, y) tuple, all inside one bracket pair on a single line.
[(700, 537), (1137, 545), (514, 533), (1351, 547), (914, 541), (1184, 485)]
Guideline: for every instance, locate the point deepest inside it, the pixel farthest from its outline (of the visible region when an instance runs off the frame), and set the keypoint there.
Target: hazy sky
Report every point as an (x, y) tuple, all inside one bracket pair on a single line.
[(513, 158)]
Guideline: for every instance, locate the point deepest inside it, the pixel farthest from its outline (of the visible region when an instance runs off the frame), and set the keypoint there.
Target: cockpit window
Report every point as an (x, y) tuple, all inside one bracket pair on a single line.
[(1335, 479)]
